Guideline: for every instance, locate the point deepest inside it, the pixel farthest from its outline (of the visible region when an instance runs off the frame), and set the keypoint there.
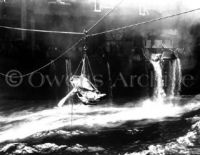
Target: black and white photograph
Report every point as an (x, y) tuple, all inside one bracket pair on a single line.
[(99, 77)]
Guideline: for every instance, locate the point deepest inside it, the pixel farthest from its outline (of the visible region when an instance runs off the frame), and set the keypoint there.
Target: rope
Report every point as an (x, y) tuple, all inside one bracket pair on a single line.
[(102, 18), (90, 69), (52, 61), (92, 35), (92, 27), (60, 32), (78, 67), (40, 31), (142, 23)]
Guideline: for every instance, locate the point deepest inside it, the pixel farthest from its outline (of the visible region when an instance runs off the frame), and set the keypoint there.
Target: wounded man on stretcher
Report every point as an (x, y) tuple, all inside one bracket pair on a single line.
[(84, 89)]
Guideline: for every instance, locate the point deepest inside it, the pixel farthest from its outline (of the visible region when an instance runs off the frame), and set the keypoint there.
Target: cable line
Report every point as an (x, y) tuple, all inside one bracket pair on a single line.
[(46, 65), (40, 31), (106, 14), (142, 23)]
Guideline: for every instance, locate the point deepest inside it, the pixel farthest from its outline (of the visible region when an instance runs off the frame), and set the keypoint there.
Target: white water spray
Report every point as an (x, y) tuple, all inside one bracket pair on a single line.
[(173, 78), (174, 82), (176, 78), (159, 92), (179, 74), (23, 124)]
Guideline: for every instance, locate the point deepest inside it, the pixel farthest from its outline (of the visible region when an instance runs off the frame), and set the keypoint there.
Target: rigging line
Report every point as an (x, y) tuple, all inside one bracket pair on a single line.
[(61, 32), (22, 29), (90, 69), (78, 67), (45, 31), (41, 31), (52, 61), (142, 23), (106, 14), (95, 84)]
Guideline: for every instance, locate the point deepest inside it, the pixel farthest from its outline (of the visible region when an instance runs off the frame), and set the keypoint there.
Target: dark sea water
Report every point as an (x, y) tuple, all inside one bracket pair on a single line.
[(146, 127)]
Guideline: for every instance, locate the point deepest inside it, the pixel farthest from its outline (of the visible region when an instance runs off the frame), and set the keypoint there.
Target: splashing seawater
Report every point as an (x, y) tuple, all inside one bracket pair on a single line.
[(179, 67), (175, 81), (23, 124), (159, 92), (176, 77), (173, 78)]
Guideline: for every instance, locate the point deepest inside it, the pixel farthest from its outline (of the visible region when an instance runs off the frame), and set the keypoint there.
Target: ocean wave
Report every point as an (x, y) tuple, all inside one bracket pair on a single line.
[(47, 148), (185, 145)]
